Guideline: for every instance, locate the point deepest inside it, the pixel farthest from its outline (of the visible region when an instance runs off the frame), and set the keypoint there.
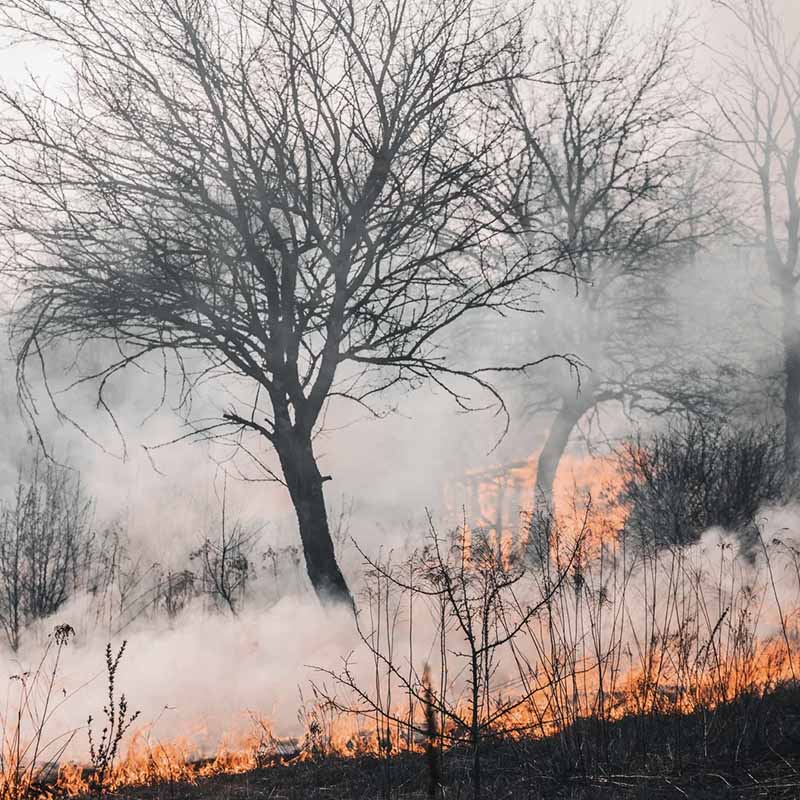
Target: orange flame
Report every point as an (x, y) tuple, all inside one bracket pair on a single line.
[(499, 501)]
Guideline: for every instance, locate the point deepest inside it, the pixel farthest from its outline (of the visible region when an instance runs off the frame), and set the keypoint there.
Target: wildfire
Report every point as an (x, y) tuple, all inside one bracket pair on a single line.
[(674, 633), (658, 688), (148, 763), (499, 501)]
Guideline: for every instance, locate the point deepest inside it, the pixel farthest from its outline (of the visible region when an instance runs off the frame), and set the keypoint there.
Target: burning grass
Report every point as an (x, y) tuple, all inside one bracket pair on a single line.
[(748, 748), (627, 670), (606, 668)]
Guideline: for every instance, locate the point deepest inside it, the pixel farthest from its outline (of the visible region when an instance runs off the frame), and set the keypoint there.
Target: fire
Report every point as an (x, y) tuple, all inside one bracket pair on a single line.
[(499, 501), (676, 632), (660, 685), (147, 763), (659, 688), (591, 483)]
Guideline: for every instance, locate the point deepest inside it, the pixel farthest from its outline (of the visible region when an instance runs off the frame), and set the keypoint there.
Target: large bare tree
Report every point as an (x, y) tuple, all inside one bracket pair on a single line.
[(759, 133), (286, 188), (608, 178)]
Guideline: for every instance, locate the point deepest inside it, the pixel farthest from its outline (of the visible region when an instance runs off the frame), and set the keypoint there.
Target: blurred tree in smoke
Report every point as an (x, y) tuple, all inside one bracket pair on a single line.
[(288, 190), (226, 562), (757, 129), (607, 175)]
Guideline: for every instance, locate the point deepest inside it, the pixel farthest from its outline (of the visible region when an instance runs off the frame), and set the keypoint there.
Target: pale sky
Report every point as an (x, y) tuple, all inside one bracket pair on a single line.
[(713, 25)]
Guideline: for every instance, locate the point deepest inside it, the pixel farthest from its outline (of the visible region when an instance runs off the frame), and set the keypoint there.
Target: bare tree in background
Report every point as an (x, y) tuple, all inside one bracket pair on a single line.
[(608, 180), (226, 562), (46, 545), (287, 189), (759, 105)]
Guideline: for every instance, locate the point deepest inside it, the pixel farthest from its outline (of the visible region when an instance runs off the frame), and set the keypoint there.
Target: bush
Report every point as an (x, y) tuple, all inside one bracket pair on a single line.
[(46, 544), (697, 475)]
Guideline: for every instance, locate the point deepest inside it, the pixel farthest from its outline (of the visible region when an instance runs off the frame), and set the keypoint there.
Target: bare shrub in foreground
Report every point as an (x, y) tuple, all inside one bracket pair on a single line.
[(473, 595), (103, 751), (29, 749)]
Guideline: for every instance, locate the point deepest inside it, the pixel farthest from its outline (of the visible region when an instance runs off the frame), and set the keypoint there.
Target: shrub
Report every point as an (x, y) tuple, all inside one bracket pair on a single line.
[(46, 544), (697, 475)]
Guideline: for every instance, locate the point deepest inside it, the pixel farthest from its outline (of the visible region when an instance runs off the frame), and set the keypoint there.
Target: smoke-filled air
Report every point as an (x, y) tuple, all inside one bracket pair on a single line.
[(399, 399)]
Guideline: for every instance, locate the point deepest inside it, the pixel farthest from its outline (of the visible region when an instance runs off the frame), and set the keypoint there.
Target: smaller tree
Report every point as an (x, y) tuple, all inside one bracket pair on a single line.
[(226, 565), (605, 178), (759, 134), (46, 544)]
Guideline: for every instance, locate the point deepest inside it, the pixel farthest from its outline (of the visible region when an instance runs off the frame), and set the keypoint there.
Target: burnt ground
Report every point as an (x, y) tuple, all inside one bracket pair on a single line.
[(746, 749)]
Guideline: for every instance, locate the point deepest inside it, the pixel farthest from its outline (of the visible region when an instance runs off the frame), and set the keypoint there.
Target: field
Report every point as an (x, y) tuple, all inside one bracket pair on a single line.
[(746, 749)]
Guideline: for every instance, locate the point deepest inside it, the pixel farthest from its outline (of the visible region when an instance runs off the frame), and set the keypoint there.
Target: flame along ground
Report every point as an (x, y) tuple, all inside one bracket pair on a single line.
[(675, 636), (148, 763)]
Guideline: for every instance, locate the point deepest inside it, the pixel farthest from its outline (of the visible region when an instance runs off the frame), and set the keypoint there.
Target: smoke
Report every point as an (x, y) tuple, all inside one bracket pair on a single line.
[(201, 677), (387, 470), (199, 674), (196, 679)]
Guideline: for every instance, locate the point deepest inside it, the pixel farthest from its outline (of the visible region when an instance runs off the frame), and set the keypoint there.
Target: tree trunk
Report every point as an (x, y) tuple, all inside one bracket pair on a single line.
[(475, 727), (791, 362), (564, 423), (304, 482)]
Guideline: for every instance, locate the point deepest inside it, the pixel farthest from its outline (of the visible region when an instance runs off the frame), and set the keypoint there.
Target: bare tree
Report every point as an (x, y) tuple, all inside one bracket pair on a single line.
[(226, 565), (46, 544), (759, 134), (479, 607), (606, 176), (287, 189)]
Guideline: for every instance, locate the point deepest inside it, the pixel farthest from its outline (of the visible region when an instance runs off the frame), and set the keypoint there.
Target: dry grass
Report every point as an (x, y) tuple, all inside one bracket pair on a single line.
[(754, 752)]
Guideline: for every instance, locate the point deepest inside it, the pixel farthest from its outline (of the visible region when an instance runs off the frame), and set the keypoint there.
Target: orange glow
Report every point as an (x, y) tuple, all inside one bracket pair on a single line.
[(146, 763), (499, 501), (658, 689)]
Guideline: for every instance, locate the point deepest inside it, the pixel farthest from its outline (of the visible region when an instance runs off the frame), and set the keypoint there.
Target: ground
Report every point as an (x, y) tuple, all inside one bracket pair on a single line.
[(749, 748)]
